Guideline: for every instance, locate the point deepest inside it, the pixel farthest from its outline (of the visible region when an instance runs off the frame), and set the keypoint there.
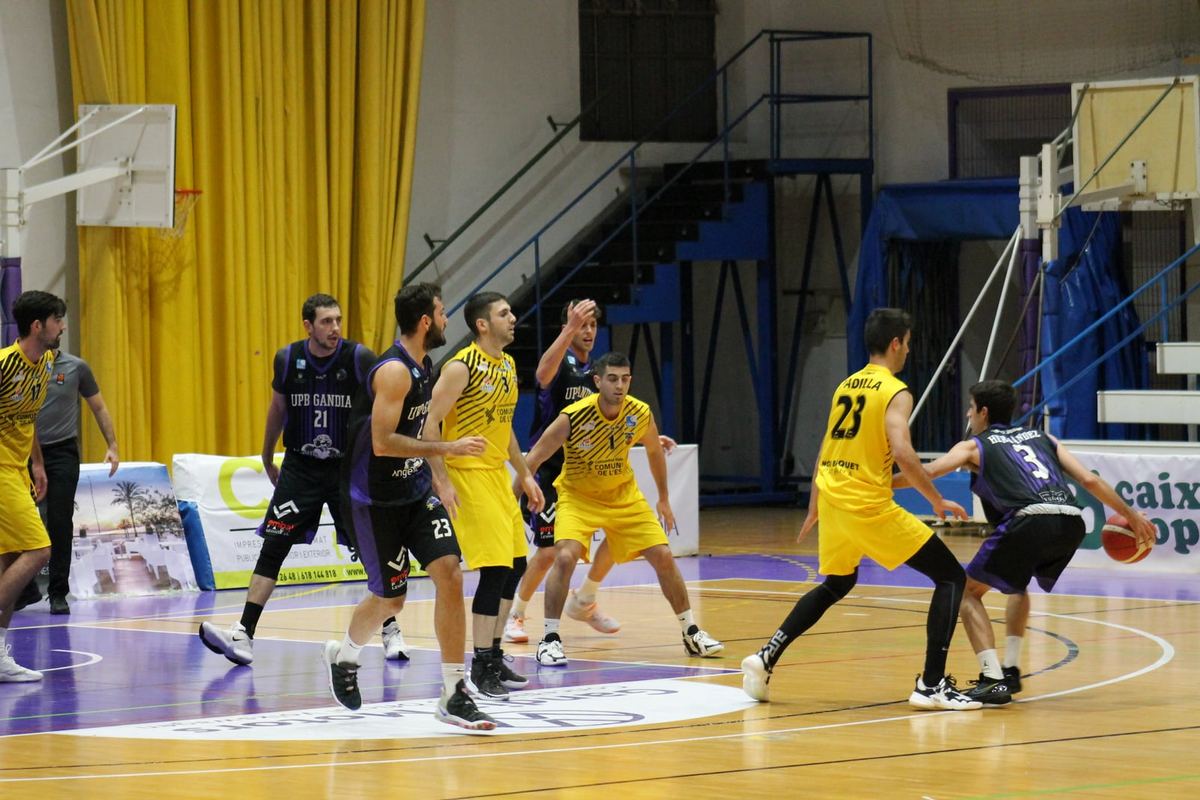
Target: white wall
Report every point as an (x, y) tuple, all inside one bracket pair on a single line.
[(35, 106), (492, 72)]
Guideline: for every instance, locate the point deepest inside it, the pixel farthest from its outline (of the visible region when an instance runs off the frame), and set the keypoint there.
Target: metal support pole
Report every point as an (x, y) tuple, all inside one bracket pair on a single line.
[(1012, 243)]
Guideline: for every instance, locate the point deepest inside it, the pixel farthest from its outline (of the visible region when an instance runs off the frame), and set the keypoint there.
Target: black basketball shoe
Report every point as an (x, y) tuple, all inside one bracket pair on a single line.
[(1012, 679), (989, 691)]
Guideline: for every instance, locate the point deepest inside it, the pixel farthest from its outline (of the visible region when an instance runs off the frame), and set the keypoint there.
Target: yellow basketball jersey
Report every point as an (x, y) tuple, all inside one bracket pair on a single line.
[(596, 463), (485, 408), (22, 392), (856, 457)]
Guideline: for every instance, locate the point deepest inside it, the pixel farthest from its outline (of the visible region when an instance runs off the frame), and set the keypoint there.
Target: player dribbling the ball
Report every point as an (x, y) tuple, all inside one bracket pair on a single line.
[(1020, 475)]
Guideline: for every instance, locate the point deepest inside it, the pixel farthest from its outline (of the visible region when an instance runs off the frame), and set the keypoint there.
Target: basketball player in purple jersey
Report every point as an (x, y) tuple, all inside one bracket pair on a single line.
[(313, 386), (1020, 475)]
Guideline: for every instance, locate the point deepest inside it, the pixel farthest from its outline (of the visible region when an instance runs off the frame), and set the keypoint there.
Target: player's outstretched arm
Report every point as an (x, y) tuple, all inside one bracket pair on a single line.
[(553, 438), (548, 365), (1099, 488), (896, 424), (392, 385), (963, 454), (657, 457)]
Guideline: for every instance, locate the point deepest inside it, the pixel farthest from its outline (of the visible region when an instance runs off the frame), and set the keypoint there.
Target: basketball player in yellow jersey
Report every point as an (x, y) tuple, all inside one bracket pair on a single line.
[(24, 375), (596, 489), (866, 434), (476, 395)]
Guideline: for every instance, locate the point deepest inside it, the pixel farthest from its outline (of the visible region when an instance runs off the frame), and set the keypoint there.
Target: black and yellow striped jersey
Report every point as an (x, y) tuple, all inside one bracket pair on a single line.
[(596, 462), (485, 407), (22, 392)]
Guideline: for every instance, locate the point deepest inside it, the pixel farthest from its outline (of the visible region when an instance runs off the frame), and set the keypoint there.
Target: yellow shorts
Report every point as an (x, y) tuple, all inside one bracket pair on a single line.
[(489, 526), (21, 526), (890, 536), (629, 524)]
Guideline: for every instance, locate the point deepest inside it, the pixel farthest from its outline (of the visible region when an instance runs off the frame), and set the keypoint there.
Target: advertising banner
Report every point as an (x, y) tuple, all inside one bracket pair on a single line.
[(1164, 487), (231, 494), (128, 537)]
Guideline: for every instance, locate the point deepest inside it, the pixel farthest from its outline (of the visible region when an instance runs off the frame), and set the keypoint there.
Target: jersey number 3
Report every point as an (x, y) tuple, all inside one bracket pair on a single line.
[(1039, 470), (849, 404)]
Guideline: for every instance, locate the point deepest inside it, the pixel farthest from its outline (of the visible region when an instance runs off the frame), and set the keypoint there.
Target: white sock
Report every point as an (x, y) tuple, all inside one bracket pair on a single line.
[(451, 675), (1012, 651), (989, 664), (348, 654), (686, 620), (551, 627), (518, 606), (3, 639), (587, 592)]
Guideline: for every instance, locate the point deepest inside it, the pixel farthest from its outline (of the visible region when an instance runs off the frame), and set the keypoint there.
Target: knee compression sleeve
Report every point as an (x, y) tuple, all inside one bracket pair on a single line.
[(270, 559), (513, 579), (491, 586)]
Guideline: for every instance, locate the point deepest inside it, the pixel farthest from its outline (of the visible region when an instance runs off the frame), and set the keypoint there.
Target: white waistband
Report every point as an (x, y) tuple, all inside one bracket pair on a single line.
[(1050, 508)]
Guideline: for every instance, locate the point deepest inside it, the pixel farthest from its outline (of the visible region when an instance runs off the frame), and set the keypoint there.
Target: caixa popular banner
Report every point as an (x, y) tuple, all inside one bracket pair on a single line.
[(1163, 486), (231, 494)]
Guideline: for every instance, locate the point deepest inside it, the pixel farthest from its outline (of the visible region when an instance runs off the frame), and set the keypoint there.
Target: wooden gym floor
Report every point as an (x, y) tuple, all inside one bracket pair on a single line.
[(133, 705)]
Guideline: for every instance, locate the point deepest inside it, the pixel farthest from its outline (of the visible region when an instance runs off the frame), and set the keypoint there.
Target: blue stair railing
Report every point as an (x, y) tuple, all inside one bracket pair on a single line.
[(560, 132), (774, 98)]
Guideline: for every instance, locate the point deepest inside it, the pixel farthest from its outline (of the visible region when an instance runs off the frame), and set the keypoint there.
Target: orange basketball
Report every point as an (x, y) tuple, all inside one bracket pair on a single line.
[(1120, 542)]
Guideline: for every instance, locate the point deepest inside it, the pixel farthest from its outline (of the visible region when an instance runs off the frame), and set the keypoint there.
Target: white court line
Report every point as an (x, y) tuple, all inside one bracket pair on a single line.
[(93, 658), (1167, 655), (714, 670), (925, 588)]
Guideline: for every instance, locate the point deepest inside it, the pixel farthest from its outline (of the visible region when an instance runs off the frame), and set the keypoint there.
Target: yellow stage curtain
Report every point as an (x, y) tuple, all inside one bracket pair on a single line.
[(297, 119)]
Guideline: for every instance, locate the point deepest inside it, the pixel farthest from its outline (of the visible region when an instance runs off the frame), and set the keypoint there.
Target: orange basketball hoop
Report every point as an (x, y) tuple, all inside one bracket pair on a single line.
[(185, 201)]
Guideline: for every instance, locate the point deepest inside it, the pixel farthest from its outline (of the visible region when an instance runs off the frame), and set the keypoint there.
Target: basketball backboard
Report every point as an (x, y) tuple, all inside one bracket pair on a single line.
[(142, 146), (1165, 141)]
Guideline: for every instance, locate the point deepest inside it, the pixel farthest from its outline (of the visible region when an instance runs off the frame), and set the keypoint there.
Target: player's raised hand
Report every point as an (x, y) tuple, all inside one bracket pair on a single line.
[(468, 446), (943, 507), (579, 313)]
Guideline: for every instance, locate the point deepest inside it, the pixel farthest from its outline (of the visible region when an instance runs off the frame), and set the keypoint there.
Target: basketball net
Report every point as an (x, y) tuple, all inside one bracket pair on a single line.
[(185, 201), (167, 244)]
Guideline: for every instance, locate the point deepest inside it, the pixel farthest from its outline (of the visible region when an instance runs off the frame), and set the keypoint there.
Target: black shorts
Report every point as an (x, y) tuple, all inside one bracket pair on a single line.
[(305, 485), (386, 534), (1038, 545), (542, 524)]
